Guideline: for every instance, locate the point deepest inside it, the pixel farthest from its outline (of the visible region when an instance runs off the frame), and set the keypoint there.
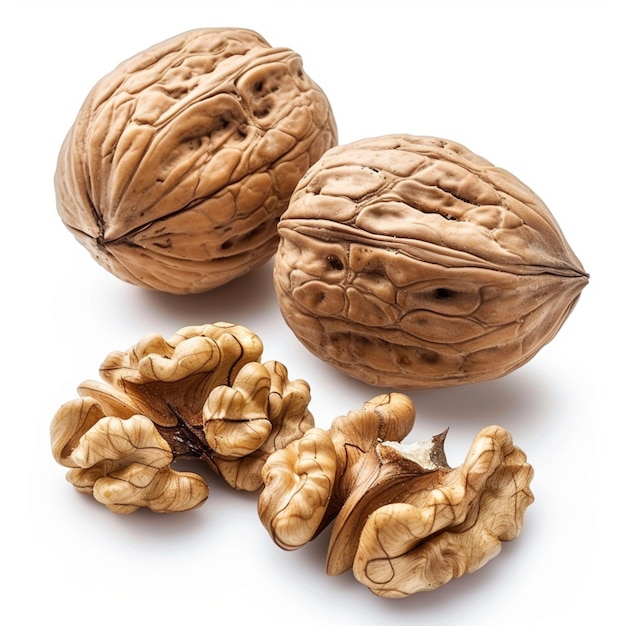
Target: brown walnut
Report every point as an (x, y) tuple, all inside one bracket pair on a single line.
[(182, 159), (410, 262), (402, 519), (201, 394)]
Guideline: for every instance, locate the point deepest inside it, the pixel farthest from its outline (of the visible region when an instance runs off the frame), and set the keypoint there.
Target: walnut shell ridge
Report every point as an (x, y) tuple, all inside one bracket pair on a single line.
[(182, 159), (410, 262)]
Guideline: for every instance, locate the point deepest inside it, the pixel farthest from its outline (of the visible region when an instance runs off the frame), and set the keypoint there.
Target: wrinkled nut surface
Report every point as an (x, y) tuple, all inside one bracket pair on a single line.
[(402, 519), (444, 522), (182, 159), (410, 262), (307, 482), (201, 394)]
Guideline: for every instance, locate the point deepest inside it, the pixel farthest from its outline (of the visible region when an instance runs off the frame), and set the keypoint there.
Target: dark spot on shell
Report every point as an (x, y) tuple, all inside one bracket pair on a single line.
[(428, 356), (334, 262), (441, 293)]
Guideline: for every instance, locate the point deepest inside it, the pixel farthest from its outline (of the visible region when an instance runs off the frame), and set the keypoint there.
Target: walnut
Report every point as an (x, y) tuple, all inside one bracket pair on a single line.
[(182, 159), (402, 519), (124, 463), (307, 482), (201, 394), (410, 262)]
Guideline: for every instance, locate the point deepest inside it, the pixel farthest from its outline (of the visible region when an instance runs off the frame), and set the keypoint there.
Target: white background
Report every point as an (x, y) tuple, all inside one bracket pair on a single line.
[(537, 88)]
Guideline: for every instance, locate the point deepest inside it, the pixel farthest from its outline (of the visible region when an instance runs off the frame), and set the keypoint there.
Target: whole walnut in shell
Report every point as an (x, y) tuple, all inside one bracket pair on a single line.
[(182, 159), (411, 262)]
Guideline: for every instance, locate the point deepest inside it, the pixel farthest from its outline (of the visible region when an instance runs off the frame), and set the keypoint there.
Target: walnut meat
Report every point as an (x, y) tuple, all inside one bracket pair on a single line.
[(307, 481), (201, 394), (436, 523), (182, 159), (410, 262), (402, 519)]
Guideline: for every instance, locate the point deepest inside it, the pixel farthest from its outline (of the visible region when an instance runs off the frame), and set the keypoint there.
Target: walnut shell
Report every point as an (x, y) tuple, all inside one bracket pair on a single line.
[(410, 262), (182, 159)]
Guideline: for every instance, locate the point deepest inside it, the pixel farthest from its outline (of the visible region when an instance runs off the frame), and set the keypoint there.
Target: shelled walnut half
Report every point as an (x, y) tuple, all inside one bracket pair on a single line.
[(201, 394), (402, 519)]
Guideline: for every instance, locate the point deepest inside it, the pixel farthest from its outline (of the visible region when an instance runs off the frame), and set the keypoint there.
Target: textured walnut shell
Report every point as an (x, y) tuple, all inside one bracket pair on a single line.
[(182, 159), (410, 262)]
